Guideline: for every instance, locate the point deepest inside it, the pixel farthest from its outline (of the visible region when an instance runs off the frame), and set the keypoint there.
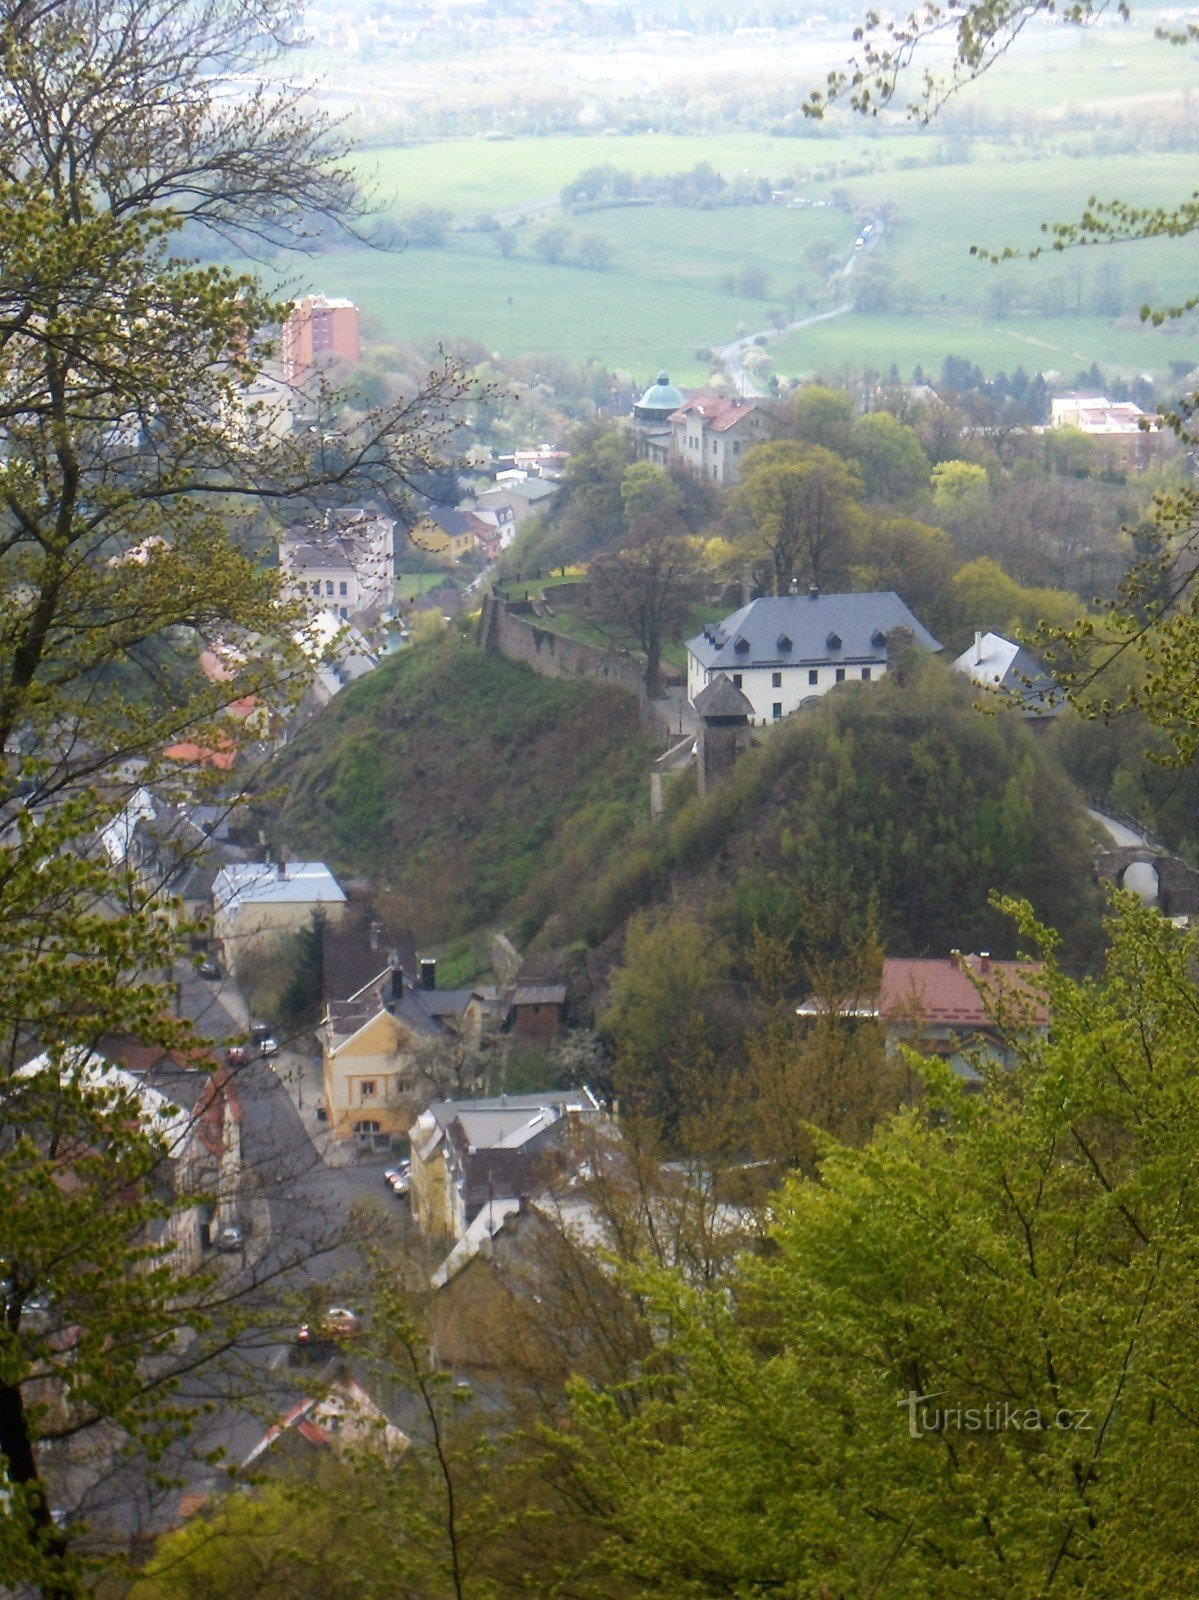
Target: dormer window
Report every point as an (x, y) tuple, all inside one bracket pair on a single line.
[(782, 642), (878, 638), (833, 641), (741, 645)]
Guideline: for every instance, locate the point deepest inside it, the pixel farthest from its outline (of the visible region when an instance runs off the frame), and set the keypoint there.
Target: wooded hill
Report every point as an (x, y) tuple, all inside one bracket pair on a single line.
[(477, 796)]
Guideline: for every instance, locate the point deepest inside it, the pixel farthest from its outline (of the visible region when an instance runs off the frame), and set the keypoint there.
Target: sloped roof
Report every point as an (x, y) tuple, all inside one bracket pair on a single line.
[(718, 413), (808, 630), (722, 698), (944, 992), (243, 883), (999, 664)]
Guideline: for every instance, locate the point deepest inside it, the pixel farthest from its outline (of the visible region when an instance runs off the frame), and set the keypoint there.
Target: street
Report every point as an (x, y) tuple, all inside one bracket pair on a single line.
[(310, 1212)]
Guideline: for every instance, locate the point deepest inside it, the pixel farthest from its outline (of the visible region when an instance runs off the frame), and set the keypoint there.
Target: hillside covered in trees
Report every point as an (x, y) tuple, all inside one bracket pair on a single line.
[(896, 799)]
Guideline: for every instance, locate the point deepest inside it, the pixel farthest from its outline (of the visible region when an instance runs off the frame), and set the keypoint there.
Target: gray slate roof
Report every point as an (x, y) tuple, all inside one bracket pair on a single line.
[(803, 630), (722, 698)]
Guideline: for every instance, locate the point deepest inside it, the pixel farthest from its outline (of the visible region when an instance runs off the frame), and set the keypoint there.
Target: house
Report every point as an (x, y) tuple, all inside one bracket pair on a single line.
[(519, 496), (711, 434), (1126, 438), (173, 850), (1011, 674), (343, 1416), (783, 651), (444, 532), (471, 1155), (254, 903), (344, 566), (376, 1045), (954, 1007), (176, 1111)]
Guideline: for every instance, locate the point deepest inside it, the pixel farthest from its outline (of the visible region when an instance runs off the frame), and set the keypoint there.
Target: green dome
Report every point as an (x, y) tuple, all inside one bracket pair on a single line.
[(659, 400)]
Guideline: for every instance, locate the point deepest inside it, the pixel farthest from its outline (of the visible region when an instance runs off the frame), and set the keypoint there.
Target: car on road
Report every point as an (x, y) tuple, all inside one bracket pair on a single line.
[(398, 1178), (230, 1239), (330, 1327), (268, 1045)]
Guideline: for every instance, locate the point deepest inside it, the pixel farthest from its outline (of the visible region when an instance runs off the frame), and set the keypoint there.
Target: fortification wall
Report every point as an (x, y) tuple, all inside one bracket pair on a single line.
[(518, 637)]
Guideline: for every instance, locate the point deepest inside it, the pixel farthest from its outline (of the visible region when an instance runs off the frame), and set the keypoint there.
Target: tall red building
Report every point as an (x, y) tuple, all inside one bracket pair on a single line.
[(318, 333)]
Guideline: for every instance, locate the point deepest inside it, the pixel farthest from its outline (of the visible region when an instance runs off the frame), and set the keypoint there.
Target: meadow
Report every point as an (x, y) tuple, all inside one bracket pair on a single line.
[(1071, 113)]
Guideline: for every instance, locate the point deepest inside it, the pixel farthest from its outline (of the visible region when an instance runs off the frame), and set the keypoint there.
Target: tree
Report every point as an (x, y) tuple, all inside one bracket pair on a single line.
[(796, 503), (893, 465), (966, 1357), (134, 458), (552, 243), (645, 591), (593, 251)]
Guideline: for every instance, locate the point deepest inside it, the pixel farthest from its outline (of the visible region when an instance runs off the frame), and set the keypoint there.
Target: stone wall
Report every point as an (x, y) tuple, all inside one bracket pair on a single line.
[(511, 630)]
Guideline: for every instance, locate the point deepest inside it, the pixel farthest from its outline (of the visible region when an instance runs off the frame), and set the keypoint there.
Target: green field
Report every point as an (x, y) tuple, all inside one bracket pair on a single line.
[(661, 298), (1069, 114)]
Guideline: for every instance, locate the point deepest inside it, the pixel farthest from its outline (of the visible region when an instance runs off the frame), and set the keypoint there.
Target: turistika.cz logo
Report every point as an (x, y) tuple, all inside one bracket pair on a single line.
[(998, 1416)]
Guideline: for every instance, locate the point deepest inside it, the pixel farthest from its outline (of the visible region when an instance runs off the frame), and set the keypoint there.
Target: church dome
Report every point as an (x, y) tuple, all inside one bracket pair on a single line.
[(659, 400)]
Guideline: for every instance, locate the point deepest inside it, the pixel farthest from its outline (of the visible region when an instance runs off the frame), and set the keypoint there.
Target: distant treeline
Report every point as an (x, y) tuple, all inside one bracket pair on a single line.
[(702, 187)]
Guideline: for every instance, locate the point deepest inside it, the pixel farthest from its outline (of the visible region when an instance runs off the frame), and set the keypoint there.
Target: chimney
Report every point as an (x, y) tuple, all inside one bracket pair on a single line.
[(814, 592), (428, 973), (984, 961), (280, 870), (978, 648), (955, 957)]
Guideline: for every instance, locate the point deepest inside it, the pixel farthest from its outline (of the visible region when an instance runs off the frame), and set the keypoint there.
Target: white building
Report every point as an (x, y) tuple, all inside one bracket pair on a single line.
[(782, 651), (345, 567), (1007, 670)]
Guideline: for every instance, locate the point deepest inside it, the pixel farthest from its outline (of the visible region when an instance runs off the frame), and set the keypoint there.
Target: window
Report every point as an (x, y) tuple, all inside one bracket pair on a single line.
[(343, 588), (344, 613), (840, 674), (865, 674), (776, 710), (776, 680), (736, 447), (366, 1089), (329, 586), (813, 675), (736, 680)]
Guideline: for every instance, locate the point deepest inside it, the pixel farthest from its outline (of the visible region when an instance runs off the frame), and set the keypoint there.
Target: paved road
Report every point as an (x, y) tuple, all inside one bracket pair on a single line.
[(311, 1217)]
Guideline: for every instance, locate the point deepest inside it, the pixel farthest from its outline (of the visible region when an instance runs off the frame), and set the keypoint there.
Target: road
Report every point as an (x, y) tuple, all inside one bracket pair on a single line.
[(311, 1216), (732, 355)]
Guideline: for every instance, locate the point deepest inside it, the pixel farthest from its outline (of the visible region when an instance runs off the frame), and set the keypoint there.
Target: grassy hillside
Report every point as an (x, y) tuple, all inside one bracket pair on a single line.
[(475, 796), (451, 779)]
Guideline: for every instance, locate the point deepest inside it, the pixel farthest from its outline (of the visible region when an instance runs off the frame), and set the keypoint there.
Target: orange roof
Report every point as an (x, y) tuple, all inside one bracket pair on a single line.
[(943, 992), (198, 755)]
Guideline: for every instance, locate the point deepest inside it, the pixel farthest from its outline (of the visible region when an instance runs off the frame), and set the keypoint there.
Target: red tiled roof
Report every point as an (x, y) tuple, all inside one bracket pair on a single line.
[(718, 413), (940, 993)]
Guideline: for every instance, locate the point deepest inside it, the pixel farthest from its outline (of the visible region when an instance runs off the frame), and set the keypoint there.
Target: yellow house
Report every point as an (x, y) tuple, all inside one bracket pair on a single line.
[(445, 533), (370, 1069)]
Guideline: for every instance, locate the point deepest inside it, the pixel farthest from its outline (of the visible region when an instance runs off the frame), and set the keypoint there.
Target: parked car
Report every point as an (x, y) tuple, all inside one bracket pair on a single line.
[(235, 1056), (259, 1031), (330, 1327), (268, 1045), (399, 1177), (230, 1239), (208, 968)]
